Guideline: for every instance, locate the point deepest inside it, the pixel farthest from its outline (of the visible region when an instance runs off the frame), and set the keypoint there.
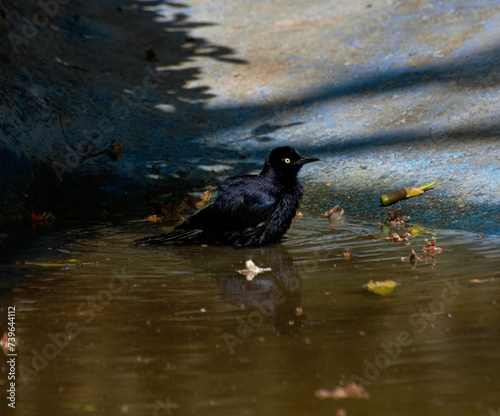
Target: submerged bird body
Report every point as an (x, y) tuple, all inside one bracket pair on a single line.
[(250, 210)]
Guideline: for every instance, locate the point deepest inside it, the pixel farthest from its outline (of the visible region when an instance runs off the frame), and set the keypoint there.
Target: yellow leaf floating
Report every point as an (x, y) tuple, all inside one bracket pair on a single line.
[(381, 288), (154, 218), (70, 263)]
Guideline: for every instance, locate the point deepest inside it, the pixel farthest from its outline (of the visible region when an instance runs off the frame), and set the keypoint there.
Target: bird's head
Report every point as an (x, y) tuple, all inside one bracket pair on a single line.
[(287, 161)]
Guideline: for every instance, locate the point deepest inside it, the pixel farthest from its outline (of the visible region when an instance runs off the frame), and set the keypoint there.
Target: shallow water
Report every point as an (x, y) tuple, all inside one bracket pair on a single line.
[(106, 328)]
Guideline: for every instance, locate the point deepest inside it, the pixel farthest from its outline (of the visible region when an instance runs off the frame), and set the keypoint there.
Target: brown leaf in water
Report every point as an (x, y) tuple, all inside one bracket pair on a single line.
[(4, 343), (347, 253), (431, 248), (413, 259), (349, 391), (398, 238), (196, 203), (397, 220), (202, 201), (154, 218), (481, 280), (334, 213)]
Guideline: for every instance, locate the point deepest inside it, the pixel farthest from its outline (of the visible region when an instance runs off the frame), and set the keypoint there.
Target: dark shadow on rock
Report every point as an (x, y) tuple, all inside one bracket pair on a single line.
[(106, 64), (119, 62)]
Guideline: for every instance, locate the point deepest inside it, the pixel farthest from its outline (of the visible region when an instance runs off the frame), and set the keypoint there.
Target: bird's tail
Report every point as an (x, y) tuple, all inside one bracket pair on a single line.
[(177, 235)]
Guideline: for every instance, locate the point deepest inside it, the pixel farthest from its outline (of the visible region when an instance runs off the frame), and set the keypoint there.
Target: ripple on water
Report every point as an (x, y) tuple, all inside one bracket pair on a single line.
[(180, 321)]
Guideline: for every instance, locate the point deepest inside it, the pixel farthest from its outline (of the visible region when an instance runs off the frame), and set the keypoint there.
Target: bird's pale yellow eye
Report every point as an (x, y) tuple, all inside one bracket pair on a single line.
[(287, 160)]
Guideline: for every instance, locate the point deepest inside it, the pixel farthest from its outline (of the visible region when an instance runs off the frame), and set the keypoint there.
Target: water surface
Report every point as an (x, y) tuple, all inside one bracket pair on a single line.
[(107, 328)]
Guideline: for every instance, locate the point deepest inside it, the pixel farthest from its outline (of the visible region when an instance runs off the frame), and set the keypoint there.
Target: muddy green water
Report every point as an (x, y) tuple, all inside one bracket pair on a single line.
[(106, 328)]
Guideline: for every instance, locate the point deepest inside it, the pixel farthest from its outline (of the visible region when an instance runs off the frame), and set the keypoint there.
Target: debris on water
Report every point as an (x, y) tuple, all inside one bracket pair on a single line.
[(174, 212), (397, 220), (431, 248), (251, 270), (396, 238), (6, 343), (154, 218), (334, 213), (416, 230), (197, 203), (349, 391), (69, 263), (346, 255), (413, 259), (41, 219), (476, 281), (341, 412), (381, 288)]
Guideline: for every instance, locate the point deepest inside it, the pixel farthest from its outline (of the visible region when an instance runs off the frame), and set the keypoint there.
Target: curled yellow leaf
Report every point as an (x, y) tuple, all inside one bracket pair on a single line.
[(381, 288)]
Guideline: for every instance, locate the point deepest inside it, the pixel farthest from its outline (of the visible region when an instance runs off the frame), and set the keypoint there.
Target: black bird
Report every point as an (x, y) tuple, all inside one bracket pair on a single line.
[(250, 210)]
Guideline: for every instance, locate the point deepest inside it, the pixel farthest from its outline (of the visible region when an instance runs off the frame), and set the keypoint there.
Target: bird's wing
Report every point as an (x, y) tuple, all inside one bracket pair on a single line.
[(242, 202), (246, 199)]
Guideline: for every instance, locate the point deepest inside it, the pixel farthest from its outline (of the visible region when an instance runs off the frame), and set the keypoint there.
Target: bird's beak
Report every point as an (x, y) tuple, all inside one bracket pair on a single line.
[(306, 159)]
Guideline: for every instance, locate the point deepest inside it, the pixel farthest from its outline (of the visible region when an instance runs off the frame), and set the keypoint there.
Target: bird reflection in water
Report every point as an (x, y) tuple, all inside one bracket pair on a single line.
[(276, 294)]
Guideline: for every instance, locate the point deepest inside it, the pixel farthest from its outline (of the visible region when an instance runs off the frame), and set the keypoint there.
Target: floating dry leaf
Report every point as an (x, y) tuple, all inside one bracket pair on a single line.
[(413, 259), (415, 230), (398, 238), (69, 263), (397, 220), (481, 280), (347, 253), (381, 288), (334, 213), (202, 201), (154, 218), (4, 343), (191, 203), (349, 391), (341, 412), (431, 248), (251, 270)]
